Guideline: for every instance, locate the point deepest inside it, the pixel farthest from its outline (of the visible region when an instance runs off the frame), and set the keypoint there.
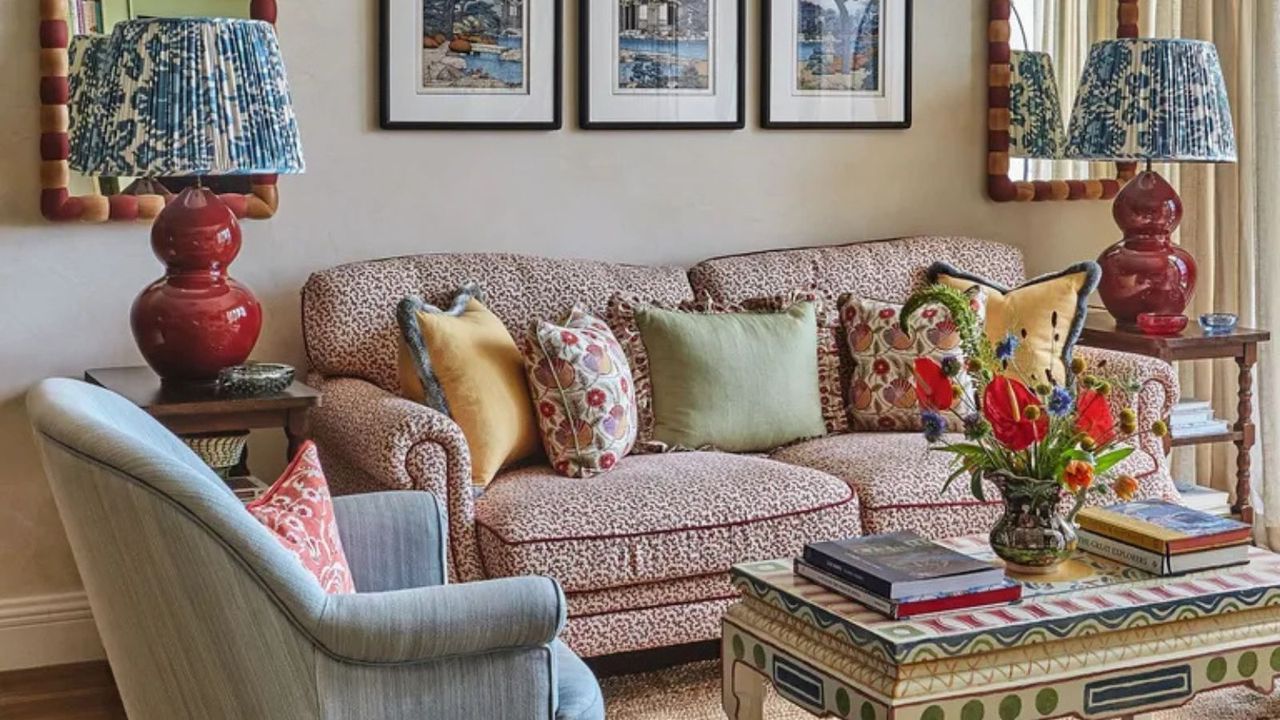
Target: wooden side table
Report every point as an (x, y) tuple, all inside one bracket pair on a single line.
[(1240, 344), (193, 411)]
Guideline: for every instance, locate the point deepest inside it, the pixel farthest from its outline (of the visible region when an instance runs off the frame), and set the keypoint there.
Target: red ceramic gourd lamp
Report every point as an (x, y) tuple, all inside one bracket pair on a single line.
[(187, 97), (1161, 100)]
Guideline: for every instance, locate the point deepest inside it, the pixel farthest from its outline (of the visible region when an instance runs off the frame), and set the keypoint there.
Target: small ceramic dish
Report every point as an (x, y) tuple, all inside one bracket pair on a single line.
[(255, 379), (1218, 323), (1161, 323)]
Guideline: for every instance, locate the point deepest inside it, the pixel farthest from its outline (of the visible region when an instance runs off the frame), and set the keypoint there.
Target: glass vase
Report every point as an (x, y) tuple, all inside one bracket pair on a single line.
[(1033, 536)]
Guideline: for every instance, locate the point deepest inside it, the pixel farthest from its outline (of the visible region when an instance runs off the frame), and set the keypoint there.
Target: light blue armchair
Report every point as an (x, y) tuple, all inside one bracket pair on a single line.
[(204, 614)]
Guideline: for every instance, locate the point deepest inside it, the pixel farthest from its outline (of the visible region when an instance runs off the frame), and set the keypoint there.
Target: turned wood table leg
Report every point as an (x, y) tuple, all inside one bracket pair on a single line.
[(1244, 425), (296, 430)]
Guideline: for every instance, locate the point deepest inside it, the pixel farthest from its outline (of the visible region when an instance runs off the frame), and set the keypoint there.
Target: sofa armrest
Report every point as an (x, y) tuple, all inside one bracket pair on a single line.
[(393, 540), (419, 624), (401, 445), (1150, 387)]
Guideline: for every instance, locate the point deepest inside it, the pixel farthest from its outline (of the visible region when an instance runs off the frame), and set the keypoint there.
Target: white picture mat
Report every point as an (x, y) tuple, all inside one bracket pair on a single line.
[(406, 104), (606, 106), (786, 104)]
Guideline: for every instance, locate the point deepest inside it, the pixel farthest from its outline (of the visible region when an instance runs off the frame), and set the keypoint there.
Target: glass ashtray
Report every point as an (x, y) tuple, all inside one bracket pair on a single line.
[(1218, 323)]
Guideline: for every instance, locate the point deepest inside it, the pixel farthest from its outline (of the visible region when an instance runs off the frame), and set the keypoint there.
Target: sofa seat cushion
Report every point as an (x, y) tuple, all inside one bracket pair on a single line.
[(898, 482), (657, 517)]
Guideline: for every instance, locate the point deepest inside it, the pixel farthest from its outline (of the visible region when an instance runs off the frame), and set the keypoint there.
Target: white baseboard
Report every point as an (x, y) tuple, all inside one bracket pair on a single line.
[(47, 630)]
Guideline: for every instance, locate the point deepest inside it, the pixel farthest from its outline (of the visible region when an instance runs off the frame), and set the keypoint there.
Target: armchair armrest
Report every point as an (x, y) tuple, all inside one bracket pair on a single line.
[(447, 620), (1150, 387), (401, 445), (393, 540)]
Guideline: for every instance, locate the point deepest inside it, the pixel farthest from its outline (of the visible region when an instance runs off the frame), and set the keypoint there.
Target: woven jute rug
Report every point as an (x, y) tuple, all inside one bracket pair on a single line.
[(692, 692)]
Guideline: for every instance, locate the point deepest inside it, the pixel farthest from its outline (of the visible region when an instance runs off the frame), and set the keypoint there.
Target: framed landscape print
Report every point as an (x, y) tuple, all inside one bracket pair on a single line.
[(471, 64), (836, 64), (661, 64)]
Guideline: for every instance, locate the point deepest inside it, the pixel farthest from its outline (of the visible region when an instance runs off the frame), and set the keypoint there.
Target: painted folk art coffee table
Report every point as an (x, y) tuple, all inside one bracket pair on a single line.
[(1096, 640)]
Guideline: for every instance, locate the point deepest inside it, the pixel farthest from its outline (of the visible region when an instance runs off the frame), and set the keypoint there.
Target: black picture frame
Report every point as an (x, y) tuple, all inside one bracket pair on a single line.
[(766, 52), (584, 76), (386, 122)]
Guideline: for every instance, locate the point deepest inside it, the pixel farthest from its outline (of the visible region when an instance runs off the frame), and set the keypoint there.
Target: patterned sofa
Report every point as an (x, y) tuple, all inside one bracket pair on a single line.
[(642, 551)]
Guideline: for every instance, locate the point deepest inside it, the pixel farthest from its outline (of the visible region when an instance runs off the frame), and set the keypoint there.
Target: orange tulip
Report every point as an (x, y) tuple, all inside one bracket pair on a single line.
[(1125, 487), (1078, 476)]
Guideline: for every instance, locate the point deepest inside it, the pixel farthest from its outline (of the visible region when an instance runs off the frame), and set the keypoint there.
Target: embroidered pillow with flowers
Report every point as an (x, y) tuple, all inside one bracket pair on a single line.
[(882, 391), (584, 394)]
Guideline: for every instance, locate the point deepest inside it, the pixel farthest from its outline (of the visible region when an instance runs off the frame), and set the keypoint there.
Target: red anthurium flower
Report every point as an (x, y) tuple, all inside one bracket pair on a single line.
[(1004, 405), (1094, 417), (933, 387)]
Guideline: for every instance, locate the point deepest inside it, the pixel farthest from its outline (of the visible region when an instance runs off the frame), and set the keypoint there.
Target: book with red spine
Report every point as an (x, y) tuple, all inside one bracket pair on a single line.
[(1006, 592)]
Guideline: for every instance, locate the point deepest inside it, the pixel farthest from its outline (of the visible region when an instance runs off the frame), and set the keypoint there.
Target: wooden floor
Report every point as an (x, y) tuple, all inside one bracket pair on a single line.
[(85, 691)]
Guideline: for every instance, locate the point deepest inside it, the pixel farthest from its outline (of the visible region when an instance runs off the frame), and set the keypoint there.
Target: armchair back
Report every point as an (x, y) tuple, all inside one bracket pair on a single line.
[(194, 600)]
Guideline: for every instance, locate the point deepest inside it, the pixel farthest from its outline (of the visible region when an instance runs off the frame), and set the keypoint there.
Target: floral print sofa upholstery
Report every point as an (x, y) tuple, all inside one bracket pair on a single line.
[(642, 551)]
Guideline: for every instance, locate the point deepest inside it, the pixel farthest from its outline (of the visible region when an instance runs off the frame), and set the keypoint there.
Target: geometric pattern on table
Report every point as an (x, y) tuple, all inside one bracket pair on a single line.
[(824, 685), (1115, 598)]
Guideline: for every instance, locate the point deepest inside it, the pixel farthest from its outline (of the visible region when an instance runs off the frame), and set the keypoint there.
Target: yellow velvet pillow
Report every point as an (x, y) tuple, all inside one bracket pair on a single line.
[(480, 373), (1044, 315)]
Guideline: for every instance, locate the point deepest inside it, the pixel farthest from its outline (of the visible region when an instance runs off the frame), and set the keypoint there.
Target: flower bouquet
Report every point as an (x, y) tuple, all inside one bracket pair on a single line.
[(1046, 443)]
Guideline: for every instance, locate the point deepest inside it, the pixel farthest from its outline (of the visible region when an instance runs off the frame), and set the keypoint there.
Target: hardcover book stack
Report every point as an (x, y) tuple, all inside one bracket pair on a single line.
[(1194, 418), (903, 575), (1163, 538)]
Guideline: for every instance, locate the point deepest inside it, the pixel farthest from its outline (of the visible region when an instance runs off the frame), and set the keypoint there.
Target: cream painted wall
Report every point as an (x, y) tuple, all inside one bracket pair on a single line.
[(644, 197)]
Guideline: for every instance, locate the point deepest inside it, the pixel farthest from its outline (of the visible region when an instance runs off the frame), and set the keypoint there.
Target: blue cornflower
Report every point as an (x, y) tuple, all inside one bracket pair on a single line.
[(975, 428), (1005, 348), (1060, 402), (951, 366), (934, 425)]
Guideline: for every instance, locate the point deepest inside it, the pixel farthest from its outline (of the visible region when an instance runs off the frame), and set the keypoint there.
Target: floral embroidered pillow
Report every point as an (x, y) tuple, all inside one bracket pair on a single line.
[(299, 511), (882, 391), (584, 394)]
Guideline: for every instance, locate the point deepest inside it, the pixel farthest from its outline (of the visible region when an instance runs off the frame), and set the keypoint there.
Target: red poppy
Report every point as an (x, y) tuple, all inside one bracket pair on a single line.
[(887, 313), (547, 409), (880, 366), (595, 397), (568, 338), (607, 461), (929, 313), (1094, 417), (933, 387), (1004, 405)]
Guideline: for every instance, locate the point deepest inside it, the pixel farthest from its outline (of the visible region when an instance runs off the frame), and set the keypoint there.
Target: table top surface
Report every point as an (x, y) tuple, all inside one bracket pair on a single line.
[(1100, 331), (1088, 595), (141, 386)]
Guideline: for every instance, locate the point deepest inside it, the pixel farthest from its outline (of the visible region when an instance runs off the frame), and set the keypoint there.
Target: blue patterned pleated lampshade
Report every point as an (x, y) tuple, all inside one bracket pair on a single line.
[(1152, 99), (1035, 114), (183, 96)]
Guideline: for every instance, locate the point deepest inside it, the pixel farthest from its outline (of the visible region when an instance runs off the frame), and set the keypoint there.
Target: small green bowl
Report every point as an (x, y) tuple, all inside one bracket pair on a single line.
[(255, 379)]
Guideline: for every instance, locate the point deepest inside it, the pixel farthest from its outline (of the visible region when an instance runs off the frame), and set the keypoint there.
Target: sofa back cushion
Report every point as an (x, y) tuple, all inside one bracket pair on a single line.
[(886, 270), (348, 312)]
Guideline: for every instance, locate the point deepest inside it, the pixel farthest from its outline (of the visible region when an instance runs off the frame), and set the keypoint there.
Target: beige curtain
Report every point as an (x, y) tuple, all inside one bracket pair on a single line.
[(1232, 234)]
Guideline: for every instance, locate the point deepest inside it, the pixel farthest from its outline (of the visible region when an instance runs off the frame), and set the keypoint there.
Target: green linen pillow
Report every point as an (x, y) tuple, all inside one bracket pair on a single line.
[(738, 382)]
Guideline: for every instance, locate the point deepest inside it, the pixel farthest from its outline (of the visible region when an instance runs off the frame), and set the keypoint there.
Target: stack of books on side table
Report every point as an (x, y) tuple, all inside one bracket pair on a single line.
[(1195, 418), (1163, 538), (902, 575)]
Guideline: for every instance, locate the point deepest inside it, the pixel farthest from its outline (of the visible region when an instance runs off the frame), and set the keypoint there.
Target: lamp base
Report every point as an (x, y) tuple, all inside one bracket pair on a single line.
[(1145, 272), (195, 321)]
